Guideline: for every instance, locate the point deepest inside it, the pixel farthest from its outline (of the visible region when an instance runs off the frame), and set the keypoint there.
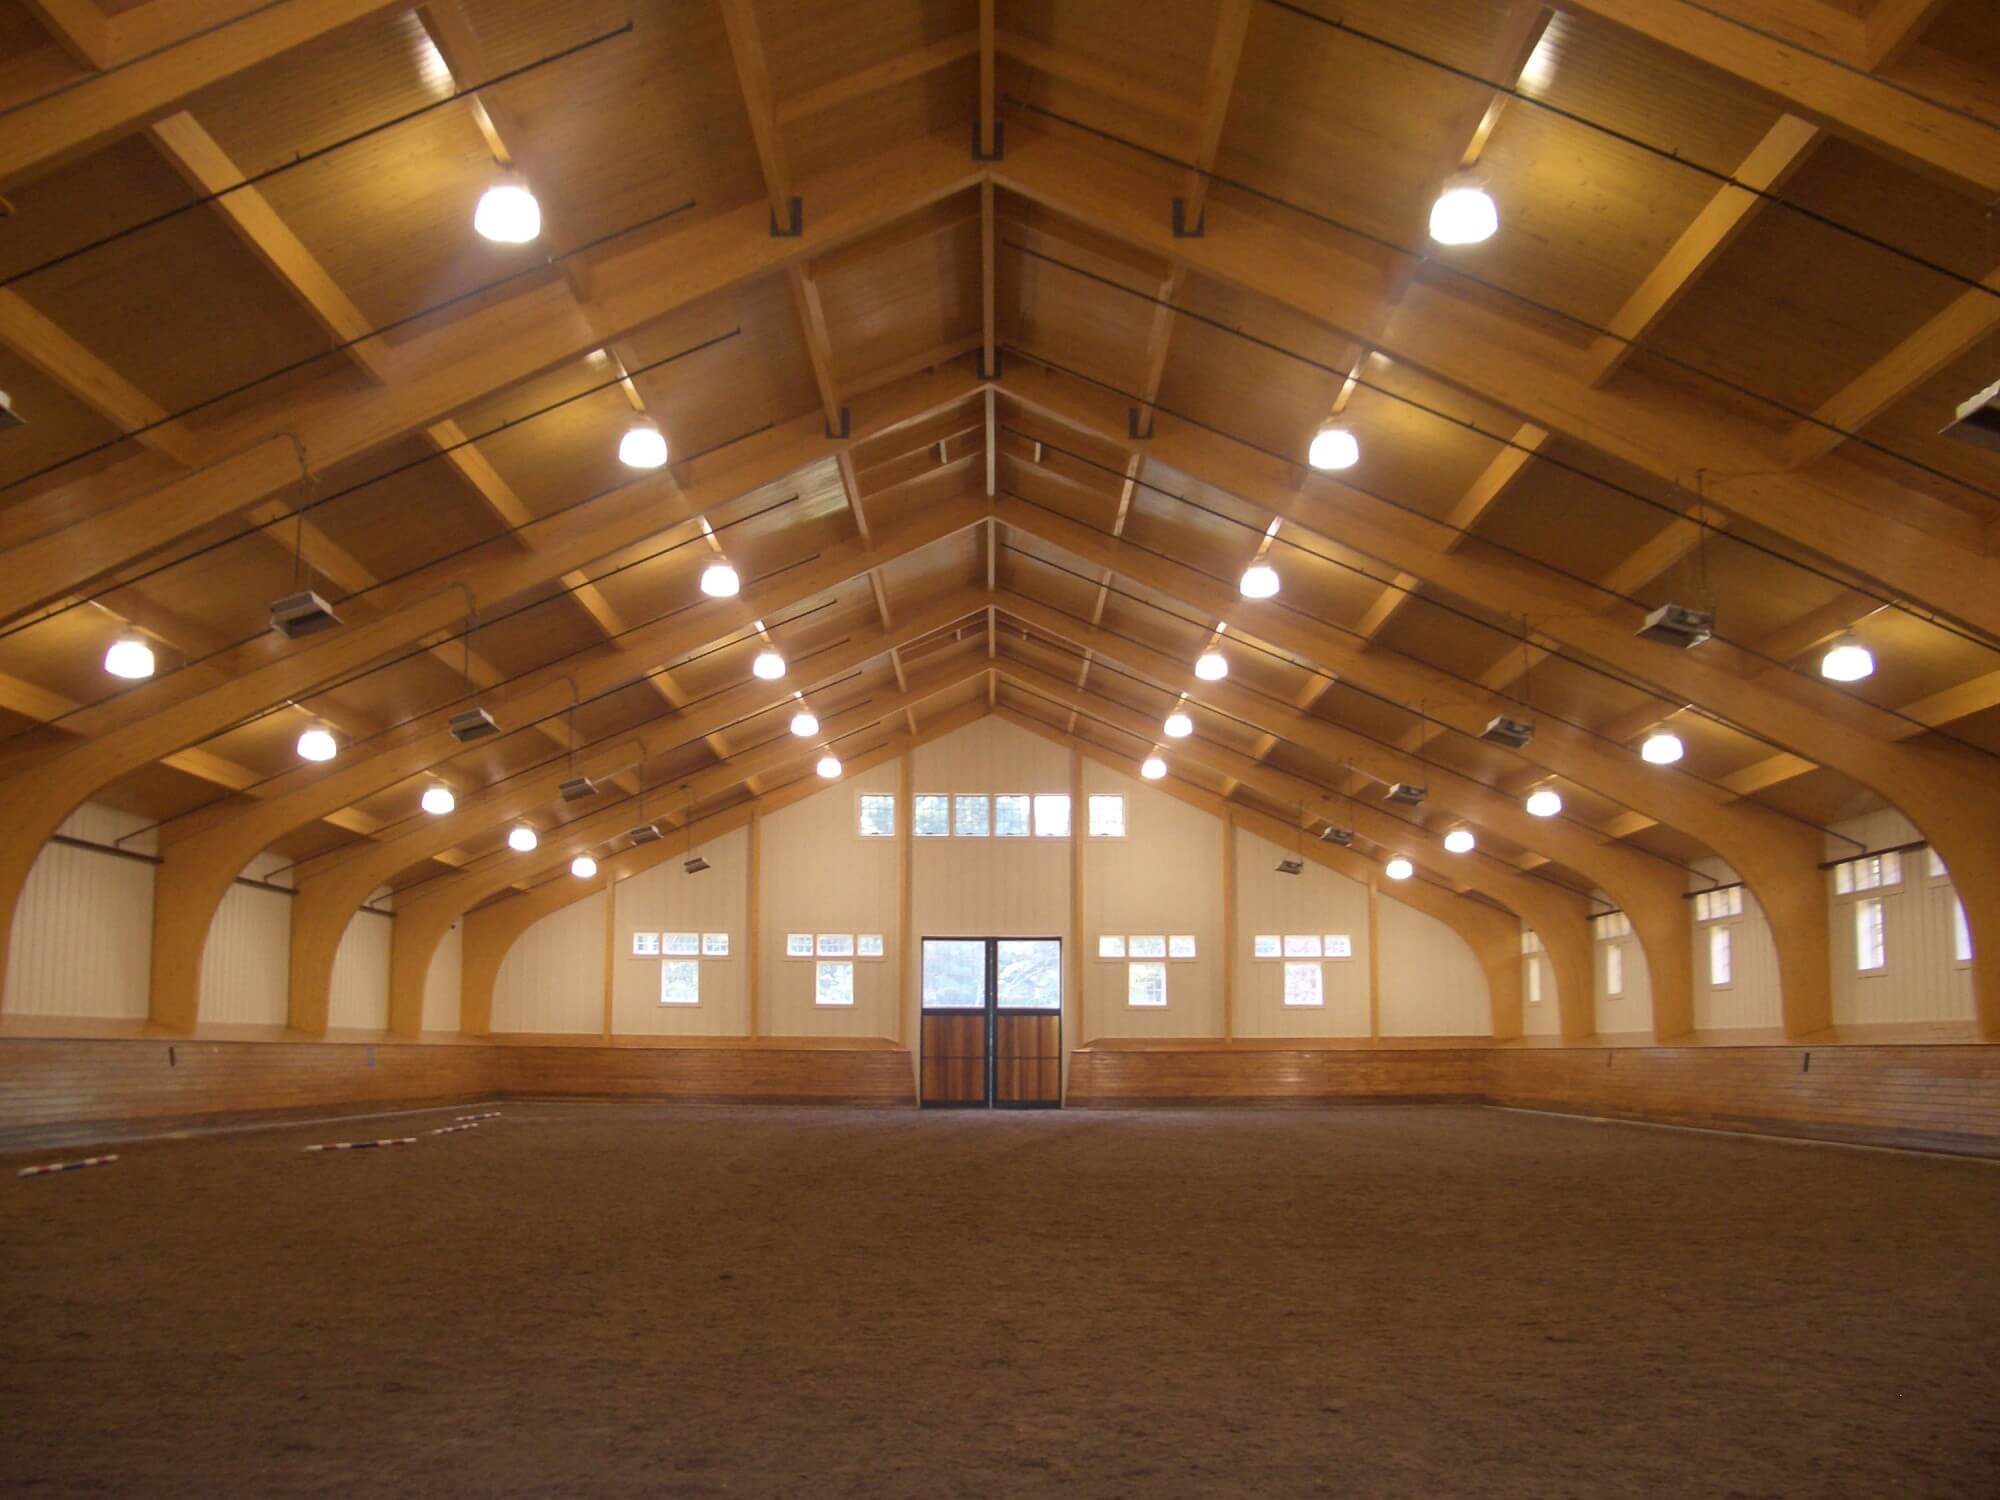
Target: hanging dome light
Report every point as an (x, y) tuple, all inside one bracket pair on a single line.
[(1333, 448), (1152, 768), (1178, 726), (769, 666), (508, 213), (130, 657), (804, 724), (1846, 660), (317, 744), (1544, 802), (1661, 748), (1211, 666), (829, 766), (1464, 213), (438, 800), (644, 446), (1260, 581), (583, 867), (1460, 841), (719, 581), (1399, 868), (522, 839)]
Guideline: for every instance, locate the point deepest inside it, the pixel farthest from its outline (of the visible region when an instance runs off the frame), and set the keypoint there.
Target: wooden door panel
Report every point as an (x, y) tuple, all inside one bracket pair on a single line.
[(1027, 1059), (954, 1059)]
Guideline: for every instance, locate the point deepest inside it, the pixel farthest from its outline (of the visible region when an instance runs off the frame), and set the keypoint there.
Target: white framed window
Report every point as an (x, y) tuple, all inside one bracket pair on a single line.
[(1011, 815), (1534, 981), (869, 945), (1052, 815), (680, 944), (1870, 949), (1147, 946), (645, 945), (1304, 985), (1339, 945), (1110, 945), (1303, 945), (1938, 871), (1180, 945), (715, 945), (798, 945), (1267, 945), (1612, 926), (930, 815), (833, 984), (969, 815), (1868, 873), (875, 815), (680, 982), (1961, 934), (1531, 941), (1107, 816), (1146, 985), (835, 945), (1614, 971), (1721, 959), (1713, 906)]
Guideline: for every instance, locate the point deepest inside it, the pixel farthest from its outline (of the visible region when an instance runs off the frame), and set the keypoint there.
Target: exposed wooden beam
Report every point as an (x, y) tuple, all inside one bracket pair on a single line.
[(901, 68), (38, 341), (1113, 82)]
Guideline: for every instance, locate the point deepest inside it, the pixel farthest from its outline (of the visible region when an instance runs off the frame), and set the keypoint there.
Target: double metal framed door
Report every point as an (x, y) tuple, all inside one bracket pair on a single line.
[(992, 1023)]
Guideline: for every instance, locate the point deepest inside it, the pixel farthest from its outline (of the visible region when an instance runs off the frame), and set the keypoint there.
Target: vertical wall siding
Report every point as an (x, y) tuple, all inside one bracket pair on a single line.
[(1319, 900), (820, 875), (1630, 1014), (668, 899), (552, 979), (83, 929), (1921, 980), (441, 984), (246, 968), (1752, 1000), (1164, 876), (1432, 984), (360, 996)]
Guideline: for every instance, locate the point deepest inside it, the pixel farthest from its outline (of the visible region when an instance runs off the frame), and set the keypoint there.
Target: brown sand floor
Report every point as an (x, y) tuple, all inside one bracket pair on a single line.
[(637, 1299)]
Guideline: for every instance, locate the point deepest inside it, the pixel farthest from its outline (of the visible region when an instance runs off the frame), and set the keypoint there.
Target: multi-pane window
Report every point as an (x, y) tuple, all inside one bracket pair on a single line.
[(1614, 970), (1613, 925), (1868, 873), (1721, 958), (969, 815), (1010, 815), (1052, 815), (1147, 946), (1303, 985), (930, 815), (868, 945), (1938, 871), (1534, 981), (680, 955), (798, 945), (1961, 934), (1110, 945), (1870, 954), (877, 813), (1267, 945), (1180, 945), (715, 945), (1117, 946), (1713, 906), (835, 945), (680, 982), (1146, 984), (833, 983), (1302, 945), (1107, 817), (680, 944)]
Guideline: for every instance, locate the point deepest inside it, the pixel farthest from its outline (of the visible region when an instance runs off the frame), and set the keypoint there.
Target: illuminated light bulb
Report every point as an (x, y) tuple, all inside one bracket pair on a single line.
[(769, 666), (317, 744), (1846, 660), (829, 766), (1399, 868), (1661, 748), (508, 213), (1460, 841), (719, 581), (1463, 214), (644, 446), (583, 867), (1333, 448), (1178, 726), (522, 839), (1212, 666), (804, 724), (1152, 768), (1545, 802), (130, 657), (1260, 581), (438, 800)]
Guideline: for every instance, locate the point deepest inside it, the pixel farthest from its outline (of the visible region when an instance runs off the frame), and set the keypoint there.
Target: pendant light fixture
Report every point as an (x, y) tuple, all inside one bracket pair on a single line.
[(1211, 666), (829, 767), (1464, 213), (1661, 748), (129, 657), (508, 213), (804, 723), (522, 839), (1399, 868), (1178, 726), (768, 667), (1847, 660), (1333, 448), (583, 867), (1460, 841), (719, 580), (438, 800), (317, 744), (644, 446), (1153, 768), (1260, 581), (1544, 802)]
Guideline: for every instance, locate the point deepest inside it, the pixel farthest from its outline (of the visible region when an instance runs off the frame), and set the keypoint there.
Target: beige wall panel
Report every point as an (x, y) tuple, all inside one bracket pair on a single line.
[(1752, 999), (820, 875), (441, 985), (552, 979), (1318, 900), (1431, 981), (245, 969), (1630, 1012), (83, 931), (359, 1000), (1921, 979), (1164, 876), (668, 899)]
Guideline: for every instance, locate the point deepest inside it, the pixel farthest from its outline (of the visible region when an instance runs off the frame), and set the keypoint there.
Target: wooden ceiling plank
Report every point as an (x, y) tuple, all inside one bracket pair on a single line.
[(41, 343), (1113, 83), (899, 69), (1891, 27)]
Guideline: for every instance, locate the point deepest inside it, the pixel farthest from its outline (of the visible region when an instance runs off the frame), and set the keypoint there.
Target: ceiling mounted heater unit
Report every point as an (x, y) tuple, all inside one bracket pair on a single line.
[(473, 724), (646, 833), (1407, 794), (577, 788), (302, 614), (1291, 865), (1341, 836), (1673, 625), (695, 864), (1513, 733)]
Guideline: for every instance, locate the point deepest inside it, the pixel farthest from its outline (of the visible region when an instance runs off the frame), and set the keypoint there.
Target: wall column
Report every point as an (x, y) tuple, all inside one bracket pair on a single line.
[(753, 924), (1374, 959), (1228, 925)]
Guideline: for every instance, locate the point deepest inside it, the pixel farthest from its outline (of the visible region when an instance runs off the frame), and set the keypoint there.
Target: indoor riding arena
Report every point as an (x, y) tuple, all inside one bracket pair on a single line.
[(1000, 748)]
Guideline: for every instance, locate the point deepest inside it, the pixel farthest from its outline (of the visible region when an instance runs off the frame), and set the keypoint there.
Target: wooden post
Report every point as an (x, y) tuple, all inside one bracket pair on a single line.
[(610, 947), (1077, 821), (753, 926), (905, 820), (1374, 960), (1228, 926)]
